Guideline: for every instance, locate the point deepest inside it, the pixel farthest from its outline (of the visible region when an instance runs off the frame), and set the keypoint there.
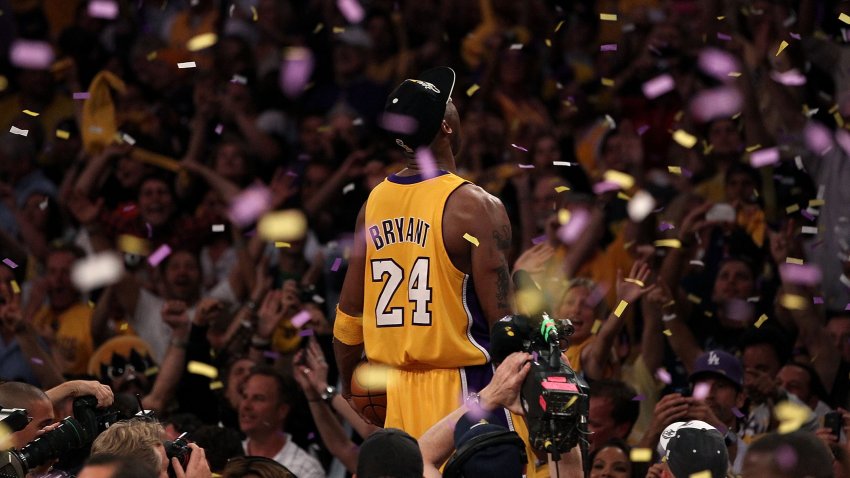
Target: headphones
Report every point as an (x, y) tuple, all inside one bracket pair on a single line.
[(453, 468)]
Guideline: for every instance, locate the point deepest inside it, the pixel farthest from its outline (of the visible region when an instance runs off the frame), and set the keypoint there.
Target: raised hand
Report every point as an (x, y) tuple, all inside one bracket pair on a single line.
[(634, 286), (175, 313), (83, 209), (270, 313)]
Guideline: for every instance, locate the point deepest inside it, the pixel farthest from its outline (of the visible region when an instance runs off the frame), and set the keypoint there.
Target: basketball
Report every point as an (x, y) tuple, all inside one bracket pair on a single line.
[(369, 392)]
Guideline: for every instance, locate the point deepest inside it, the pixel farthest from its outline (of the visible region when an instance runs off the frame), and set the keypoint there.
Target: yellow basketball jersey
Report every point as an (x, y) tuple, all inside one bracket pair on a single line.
[(419, 310)]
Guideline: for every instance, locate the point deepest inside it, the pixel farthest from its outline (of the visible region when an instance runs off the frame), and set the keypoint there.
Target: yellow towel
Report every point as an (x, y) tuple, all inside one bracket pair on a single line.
[(99, 127)]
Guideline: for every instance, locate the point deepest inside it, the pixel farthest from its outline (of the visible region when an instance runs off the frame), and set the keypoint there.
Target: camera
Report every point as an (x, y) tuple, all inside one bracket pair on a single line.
[(179, 448), (74, 434)]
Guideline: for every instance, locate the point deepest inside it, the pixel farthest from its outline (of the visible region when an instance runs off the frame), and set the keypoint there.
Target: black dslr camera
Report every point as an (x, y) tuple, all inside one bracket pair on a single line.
[(70, 441), (179, 448)]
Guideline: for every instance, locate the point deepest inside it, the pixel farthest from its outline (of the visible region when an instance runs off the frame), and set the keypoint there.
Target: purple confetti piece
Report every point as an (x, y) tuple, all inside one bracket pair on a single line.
[(807, 215), (737, 412), (539, 239), (37, 361), (786, 457), (306, 333), (336, 264), (807, 274), (219, 128), (701, 390), (604, 187), (665, 226), (642, 129), (716, 103), (723, 37), (295, 71), (573, 229), (534, 356), (608, 47), (274, 355), (658, 86), (817, 300), (299, 319), (10, 263), (81, 95), (718, 63), (526, 166), (524, 150), (818, 138), (249, 205), (664, 376), (105, 9), (158, 255), (792, 77), (351, 10), (398, 123), (31, 55), (311, 435), (639, 398), (764, 157), (795, 36), (847, 307), (427, 163)]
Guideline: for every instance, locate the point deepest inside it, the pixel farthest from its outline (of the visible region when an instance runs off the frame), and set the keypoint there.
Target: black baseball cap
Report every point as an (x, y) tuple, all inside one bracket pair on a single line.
[(484, 448), (693, 447), (390, 453), (424, 101)]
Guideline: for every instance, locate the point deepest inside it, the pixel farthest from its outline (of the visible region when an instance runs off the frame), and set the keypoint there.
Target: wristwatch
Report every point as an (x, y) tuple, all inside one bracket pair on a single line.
[(328, 394)]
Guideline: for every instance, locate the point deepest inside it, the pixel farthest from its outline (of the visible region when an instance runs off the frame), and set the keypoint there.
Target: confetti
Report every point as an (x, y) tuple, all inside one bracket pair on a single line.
[(623, 196), (298, 320), (561, 189), (159, 255), (570, 232), (559, 25), (701, 474), (133, 245), (792, 302), (674, 170), (281, 244), (186, 64), (663, 375), (336, 264), (621, 179), (371, 375), (62, 134), (218, 384), (97, 270), (718, 63), (694, 299), (809, 229), (295, 70), (792, 208), (200, 368), (289, 225), (671, 243), (621, 307), (150, 371), (16, 289), (19, 131), (816, 202), (715, 103), (306, 333), (684, 138), (351, 10), (426, 162), (525, 166), (667, 332), (37, 361), (472, 89), (792, 77), (764, 157), (218, 228), (254, 15), (30, 113), (844, 18), (782, 46), (348, 188), (516, 46), (723, 36), (525, 150), (562, 163), (640, 206), (107, 10), (761, 320), (539, 239), (607, 82), (665, 226), (738, 413), (608, 47), (471, 238), (701, 390), (31, 55), (219, 128), (639, 397), (249, 205), (597, 324), (202, 41), (608, 17), (10, 263), (790, 415), (640, 455), (817, 300), (658, 86), (563, 216)]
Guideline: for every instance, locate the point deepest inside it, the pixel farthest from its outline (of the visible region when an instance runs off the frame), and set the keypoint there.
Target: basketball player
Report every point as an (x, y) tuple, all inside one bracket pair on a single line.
[(428, 275)]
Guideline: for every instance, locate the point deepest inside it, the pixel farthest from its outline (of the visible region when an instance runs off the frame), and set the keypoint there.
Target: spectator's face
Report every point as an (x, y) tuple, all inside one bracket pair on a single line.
[(183, 276), (261, 409), (60, 290), (759, 361), (740, 187), (611, 462), (156, 204), (839, 331), (722, 397), (545, 152), (129, 172), (236, 380), (601, 424), (314, 177), (797, 381), (734, 281), (575, 307), (41, 412), (724, 137), (230, 162)]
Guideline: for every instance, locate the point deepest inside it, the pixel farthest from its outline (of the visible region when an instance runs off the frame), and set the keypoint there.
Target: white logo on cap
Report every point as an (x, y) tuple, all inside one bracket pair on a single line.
[(426, 85), (407, 148), (713, 359)]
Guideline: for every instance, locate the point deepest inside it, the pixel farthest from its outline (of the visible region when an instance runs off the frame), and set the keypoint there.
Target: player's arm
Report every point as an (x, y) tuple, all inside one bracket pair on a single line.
[(348, 326)]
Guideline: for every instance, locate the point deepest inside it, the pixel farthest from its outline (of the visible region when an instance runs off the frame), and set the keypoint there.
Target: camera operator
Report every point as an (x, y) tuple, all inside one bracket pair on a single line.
[(143, 439), (503, 391)]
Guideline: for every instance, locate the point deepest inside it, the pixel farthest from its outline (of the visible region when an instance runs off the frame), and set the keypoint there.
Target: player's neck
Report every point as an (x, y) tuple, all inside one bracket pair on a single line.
[(443, 159)]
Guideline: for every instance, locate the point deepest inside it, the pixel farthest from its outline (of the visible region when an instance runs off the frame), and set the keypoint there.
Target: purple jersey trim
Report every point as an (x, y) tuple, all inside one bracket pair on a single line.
[(416, 178)]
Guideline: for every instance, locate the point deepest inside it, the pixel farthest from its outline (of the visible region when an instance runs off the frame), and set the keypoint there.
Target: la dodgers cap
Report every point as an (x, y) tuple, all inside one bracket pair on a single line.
[(424, 101), (719, 362)]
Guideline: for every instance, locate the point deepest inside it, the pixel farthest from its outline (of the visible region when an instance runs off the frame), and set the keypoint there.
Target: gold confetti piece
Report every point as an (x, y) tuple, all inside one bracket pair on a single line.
[(674, 169), (623, 196), (640, 455), (701, 474), (371, 375), (839, 120), (750, 149), (469, 237), (608, 17), (816, 202), (559, 25), (734, 74), (634, 281), (62, 134), (619, 178), (844, 18), (684, 138), (319, 27), (202, 41), (671, 243), (561, 189), (16, 289), (597, 324), (133, 245), (151, 371), (338, 30), (216, 385), (151, 56), (563, 216), (124, 326), (548, 42), (607, 82), (472, 89), (792, 302), (621, 307), (288, 225), (721, 17), (793, 260), (782, 46), (572, 401), (200, 368), (790, 415), (254, 15), (694, 298), (792, 208), (667, 332), (833, 109), (4, 83), (30, 113), (761, 320), (279, 244)]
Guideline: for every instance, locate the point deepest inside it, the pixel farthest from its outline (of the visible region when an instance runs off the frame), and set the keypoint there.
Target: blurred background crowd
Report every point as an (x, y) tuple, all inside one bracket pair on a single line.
[(142, 140)]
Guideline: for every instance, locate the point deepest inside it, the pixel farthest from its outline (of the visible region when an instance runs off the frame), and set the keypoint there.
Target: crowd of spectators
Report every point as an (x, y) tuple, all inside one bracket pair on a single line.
[(148, 148)]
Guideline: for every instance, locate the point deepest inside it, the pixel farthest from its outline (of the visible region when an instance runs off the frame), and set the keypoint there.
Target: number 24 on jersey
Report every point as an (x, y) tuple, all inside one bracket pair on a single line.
[(392, 275)]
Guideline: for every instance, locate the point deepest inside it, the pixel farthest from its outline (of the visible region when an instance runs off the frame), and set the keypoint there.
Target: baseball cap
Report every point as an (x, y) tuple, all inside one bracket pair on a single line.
[(719, 362), (693, 447), (391, 453), (485, 449), (424, 101)]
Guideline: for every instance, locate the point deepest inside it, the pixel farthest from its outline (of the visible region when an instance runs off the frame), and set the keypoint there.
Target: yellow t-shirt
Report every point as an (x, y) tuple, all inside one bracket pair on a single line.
[(69, 334)]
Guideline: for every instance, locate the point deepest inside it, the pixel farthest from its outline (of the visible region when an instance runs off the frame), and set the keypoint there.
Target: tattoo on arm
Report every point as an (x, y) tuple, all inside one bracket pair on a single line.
[(502, 237), (502, 286)]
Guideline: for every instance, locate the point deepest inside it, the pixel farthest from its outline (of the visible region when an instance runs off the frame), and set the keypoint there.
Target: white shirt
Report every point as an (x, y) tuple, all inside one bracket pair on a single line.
[(295, 459)]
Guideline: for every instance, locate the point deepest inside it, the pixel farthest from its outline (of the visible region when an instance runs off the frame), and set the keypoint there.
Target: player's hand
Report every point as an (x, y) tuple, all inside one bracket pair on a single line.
[(197, 466), (504, 389)]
